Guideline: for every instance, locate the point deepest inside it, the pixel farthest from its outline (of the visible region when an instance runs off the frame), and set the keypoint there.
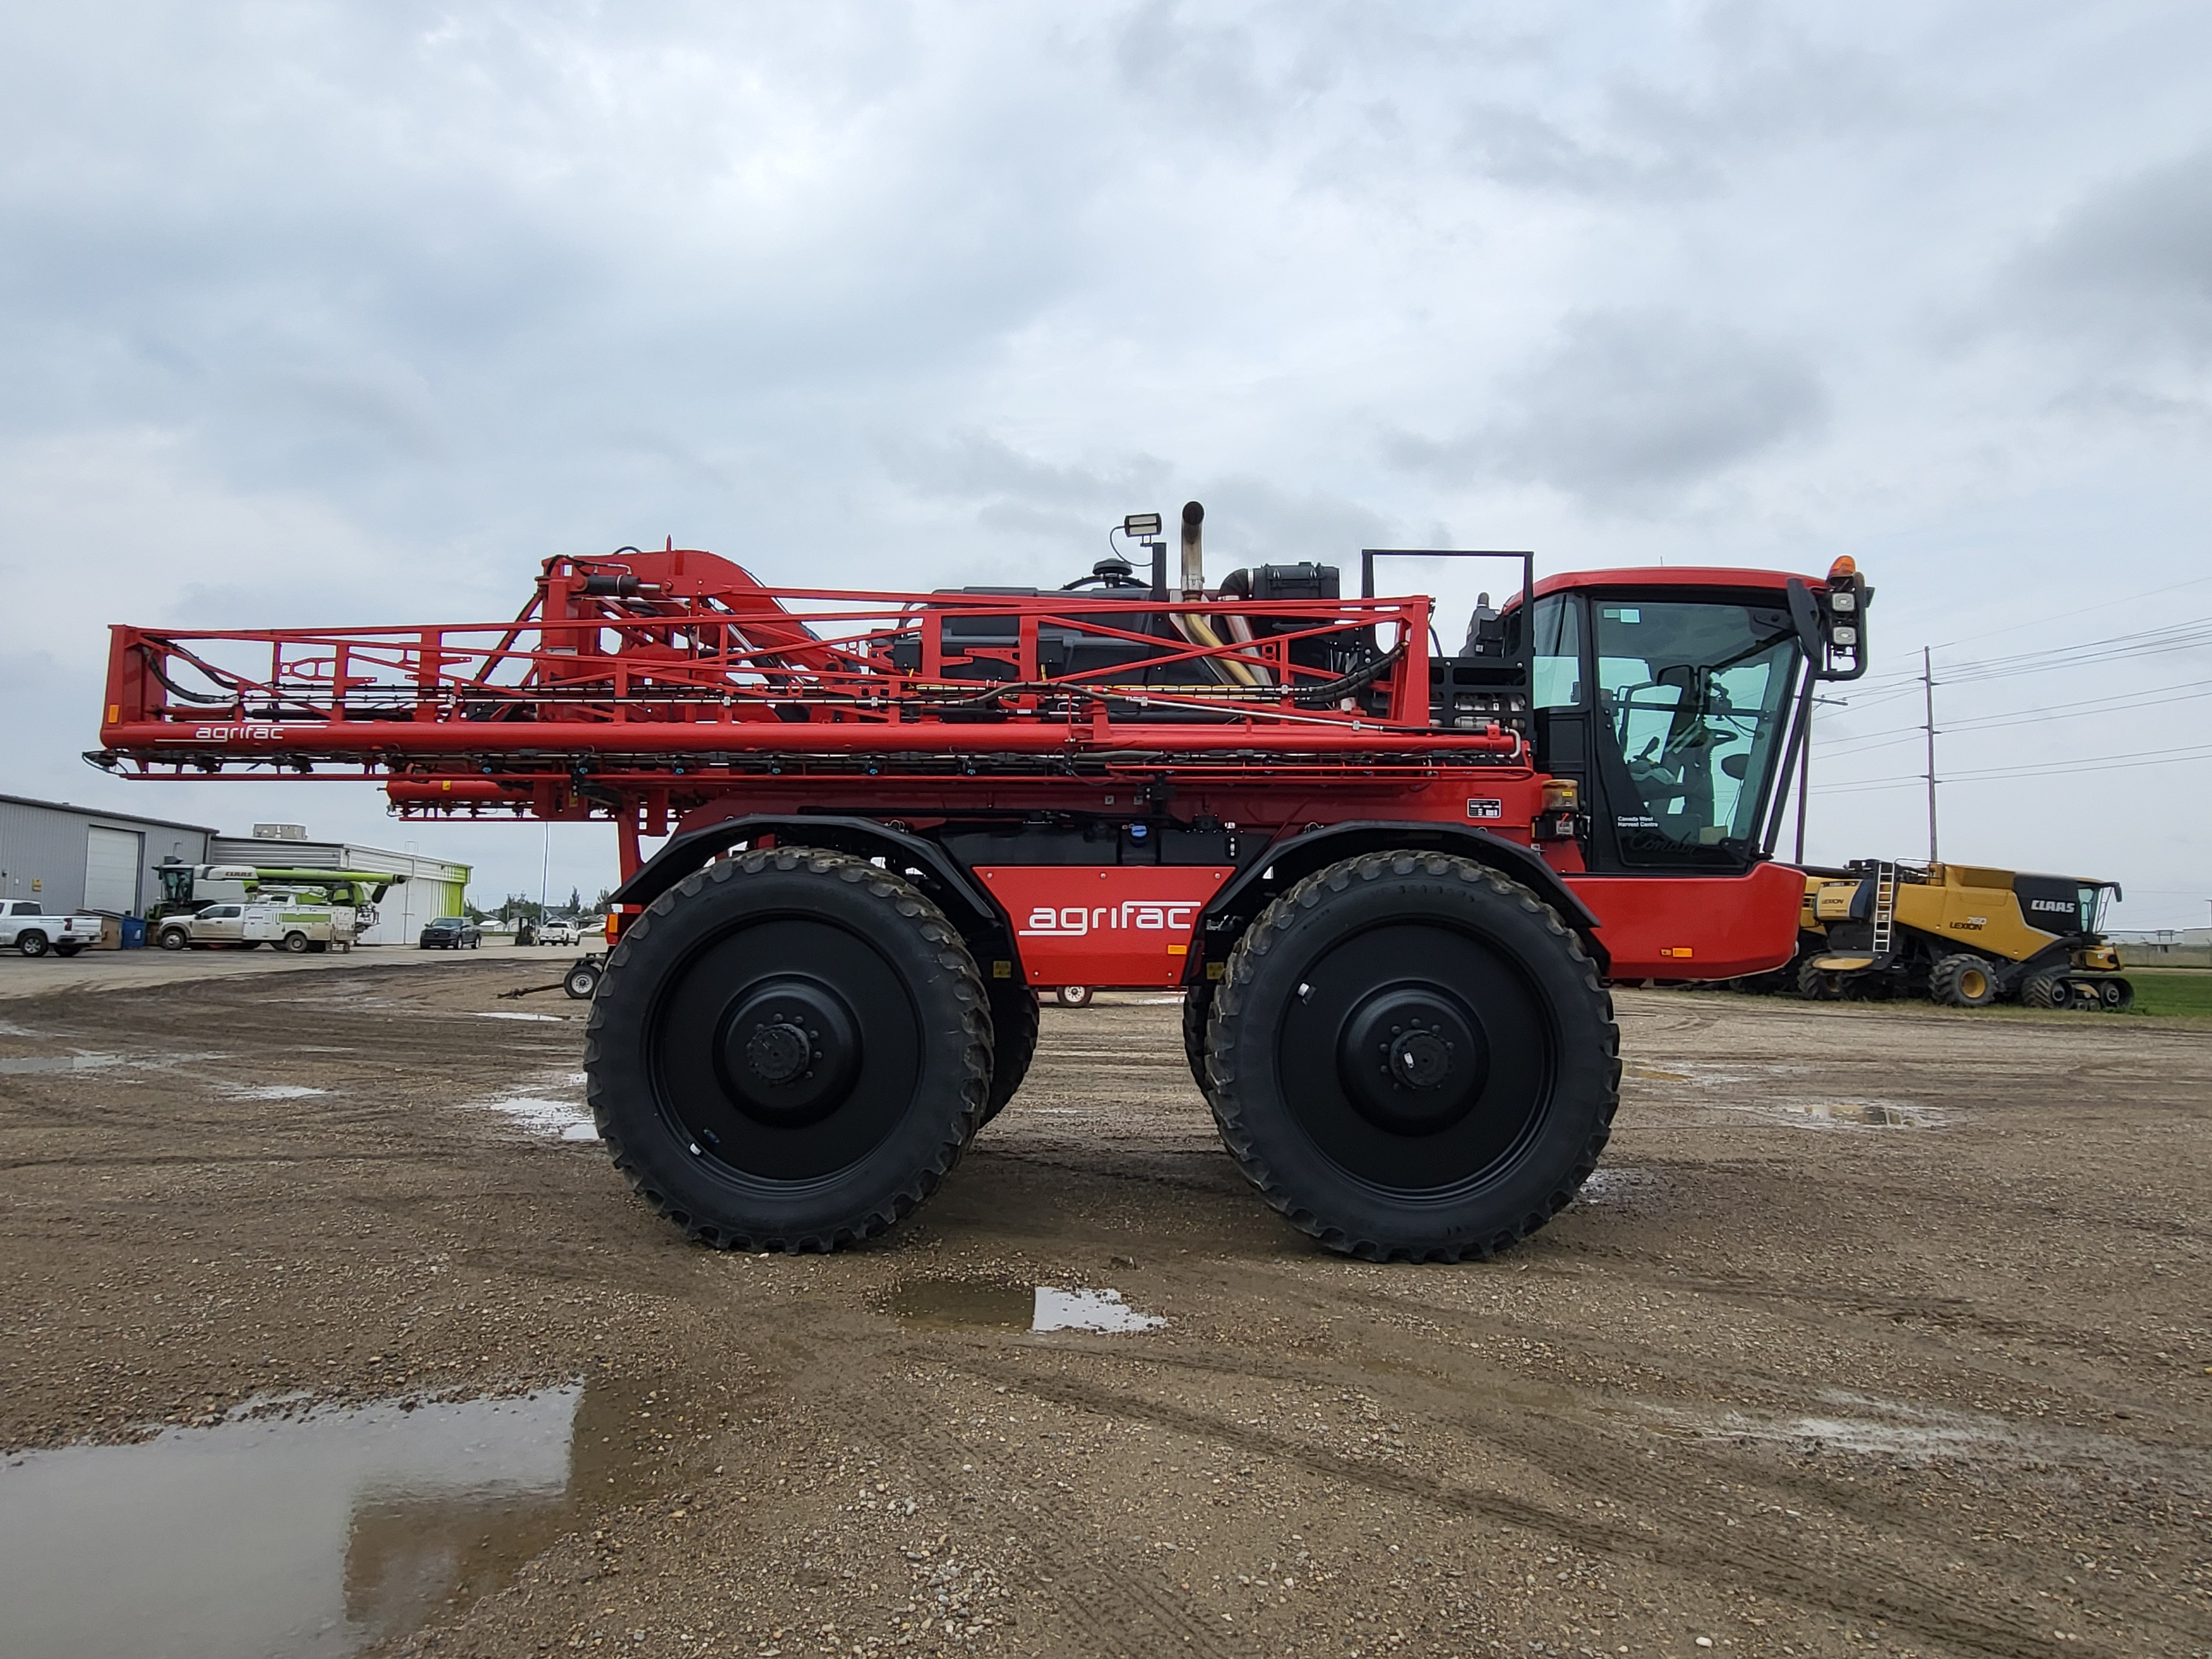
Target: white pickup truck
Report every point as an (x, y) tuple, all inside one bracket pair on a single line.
[(26, 927)]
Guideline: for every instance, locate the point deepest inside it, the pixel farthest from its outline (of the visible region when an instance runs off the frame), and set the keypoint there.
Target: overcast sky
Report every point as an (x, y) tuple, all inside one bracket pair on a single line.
[(326, 315)]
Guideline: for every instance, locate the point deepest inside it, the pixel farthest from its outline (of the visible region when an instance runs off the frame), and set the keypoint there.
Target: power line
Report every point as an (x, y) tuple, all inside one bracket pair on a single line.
[(2188, 691), (2036, 768), (2080, 611), (2150, 642)]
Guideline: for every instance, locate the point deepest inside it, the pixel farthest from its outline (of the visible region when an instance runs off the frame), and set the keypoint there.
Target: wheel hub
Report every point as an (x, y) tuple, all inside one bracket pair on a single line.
[(1411, 1058), (788, 1052)]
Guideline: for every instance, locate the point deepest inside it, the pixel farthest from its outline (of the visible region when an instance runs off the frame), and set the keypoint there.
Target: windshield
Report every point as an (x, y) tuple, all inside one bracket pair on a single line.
[(1691, 700)]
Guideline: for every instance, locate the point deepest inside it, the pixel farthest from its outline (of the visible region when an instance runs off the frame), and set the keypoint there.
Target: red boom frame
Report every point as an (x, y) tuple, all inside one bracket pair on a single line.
[(666, 690)]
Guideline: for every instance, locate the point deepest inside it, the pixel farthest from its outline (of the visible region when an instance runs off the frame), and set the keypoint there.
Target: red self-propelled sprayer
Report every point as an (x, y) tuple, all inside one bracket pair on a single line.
[(1390, 879)]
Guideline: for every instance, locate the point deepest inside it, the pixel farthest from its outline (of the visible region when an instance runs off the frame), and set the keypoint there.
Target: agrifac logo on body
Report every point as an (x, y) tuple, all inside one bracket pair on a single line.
[(1127, 924), (1076, 921)]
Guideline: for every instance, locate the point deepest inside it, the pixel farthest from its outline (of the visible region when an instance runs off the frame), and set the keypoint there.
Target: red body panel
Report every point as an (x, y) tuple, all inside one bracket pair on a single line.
[(1696, 926), (1078, 924)]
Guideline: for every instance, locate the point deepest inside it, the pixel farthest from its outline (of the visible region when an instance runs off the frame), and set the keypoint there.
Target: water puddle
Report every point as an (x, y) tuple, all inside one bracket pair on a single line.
[(559, 1112), (276, 1091), (59, 1063), (562, 1119), (301, 1537), (1618, 1186), (1863, 1114), (516, 1014), (1868, 1427), (1011, 1305)]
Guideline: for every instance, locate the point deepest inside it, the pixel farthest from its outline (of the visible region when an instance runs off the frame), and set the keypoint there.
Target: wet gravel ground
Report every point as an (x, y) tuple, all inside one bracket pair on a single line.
[(1881, 1330)]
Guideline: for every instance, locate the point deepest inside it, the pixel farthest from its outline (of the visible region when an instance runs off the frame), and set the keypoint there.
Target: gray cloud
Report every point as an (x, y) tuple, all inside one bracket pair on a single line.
[(1627, 410), (2131, 266)]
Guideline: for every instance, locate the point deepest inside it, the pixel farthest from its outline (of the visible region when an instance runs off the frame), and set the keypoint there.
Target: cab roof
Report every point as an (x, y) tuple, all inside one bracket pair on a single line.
[(1656, 576)]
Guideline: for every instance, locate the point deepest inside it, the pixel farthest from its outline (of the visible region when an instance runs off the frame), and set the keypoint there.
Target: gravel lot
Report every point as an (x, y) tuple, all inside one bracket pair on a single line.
[(1881, 1330)]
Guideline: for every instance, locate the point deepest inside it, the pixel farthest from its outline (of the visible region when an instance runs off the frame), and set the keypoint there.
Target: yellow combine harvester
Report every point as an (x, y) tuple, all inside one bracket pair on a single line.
[(1959, 935)]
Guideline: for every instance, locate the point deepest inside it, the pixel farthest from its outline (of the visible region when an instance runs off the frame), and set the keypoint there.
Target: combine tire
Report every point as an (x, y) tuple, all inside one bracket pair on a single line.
[(2045, 990), (1197, 1009), (2116, 994), (1815, 985), (1963, 981), (1411, 1058), (788, 1051), (1013, 1042)]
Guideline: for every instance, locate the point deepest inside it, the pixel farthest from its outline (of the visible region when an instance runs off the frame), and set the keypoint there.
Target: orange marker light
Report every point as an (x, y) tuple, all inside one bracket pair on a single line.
[(1843, 568)]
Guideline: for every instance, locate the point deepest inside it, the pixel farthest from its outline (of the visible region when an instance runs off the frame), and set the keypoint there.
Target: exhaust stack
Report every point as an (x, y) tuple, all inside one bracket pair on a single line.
[(1193, 555)]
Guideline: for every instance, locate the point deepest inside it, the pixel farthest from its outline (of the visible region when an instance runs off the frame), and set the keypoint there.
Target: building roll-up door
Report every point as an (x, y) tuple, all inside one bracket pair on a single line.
[(111, 871)]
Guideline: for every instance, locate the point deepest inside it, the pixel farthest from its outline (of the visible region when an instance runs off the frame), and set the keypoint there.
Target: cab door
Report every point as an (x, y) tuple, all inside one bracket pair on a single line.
[(1673, 712), (219, 924)]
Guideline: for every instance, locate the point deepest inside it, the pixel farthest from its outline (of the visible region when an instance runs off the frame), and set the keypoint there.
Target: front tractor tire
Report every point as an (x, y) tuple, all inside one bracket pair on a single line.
[(788, 1051), (1963, 981), (1412, 1058)]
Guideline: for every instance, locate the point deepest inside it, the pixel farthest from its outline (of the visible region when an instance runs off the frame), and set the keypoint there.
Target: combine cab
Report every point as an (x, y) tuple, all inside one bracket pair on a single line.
[(1390, 881)]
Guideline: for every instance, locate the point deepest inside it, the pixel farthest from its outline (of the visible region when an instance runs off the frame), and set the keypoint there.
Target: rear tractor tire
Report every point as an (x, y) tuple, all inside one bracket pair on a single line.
[(788, 1051), (1963, 981), (1197, 1009), (1412, 1059), (1014, 1023)]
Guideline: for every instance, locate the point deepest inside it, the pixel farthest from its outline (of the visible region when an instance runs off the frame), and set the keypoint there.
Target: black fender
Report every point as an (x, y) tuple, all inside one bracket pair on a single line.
[(982, 923), (1294, 857)]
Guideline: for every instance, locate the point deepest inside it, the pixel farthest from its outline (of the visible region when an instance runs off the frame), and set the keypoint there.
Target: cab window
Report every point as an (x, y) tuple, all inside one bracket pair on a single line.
[(1690, 699), (1557, 649)]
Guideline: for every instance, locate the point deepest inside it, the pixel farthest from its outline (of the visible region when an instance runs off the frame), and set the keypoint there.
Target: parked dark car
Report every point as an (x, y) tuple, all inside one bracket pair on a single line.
[(451, 933)]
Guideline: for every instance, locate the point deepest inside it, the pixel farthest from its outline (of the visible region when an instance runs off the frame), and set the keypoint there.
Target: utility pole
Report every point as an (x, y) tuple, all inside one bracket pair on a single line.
[(544, 866), (1928, 692)]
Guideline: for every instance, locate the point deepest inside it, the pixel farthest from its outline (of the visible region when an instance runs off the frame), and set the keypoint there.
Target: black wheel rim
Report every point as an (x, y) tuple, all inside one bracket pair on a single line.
[(785, 1050), (1418, 1058)]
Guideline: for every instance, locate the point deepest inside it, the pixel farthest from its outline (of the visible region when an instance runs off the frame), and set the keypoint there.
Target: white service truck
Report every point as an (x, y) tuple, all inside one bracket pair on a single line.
[(286, 924), (26, 927)]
